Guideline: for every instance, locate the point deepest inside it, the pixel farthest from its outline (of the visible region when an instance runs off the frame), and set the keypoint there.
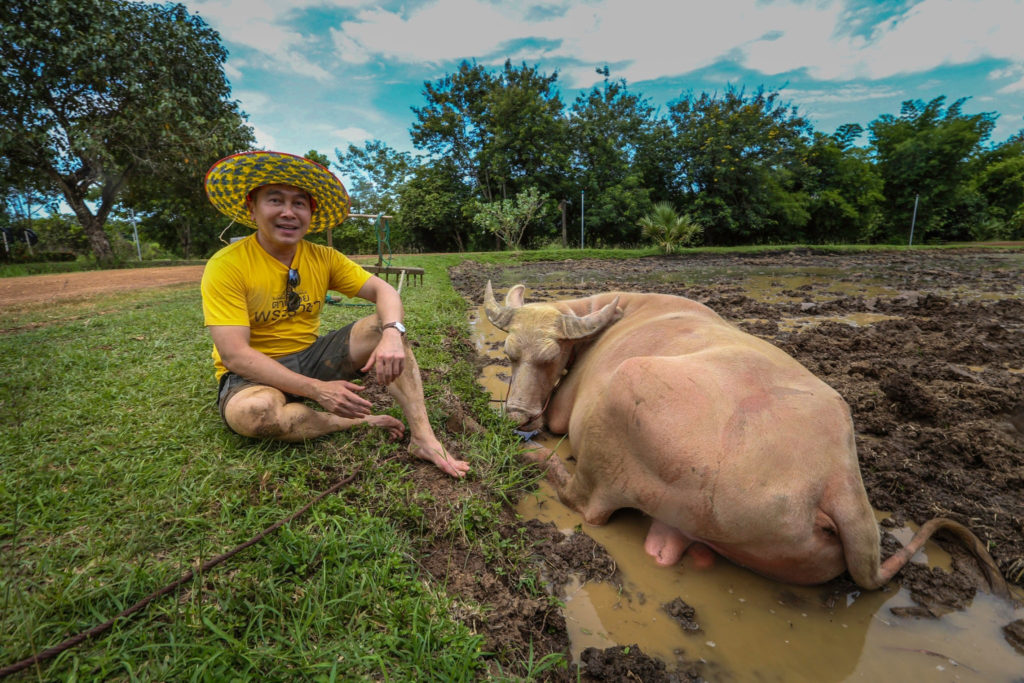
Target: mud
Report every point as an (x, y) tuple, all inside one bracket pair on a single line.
[(926, 347)]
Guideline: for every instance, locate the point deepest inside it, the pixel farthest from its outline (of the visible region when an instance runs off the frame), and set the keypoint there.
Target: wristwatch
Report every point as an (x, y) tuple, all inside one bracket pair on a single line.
[(398, 326)]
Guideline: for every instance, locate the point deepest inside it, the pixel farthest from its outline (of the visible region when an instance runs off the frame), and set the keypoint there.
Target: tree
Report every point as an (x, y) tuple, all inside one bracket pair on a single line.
[(739, 165), (999, 181), (668, 229), (433, 206), (844, 189), (923, 157), (375, 175), (502, 131), (103, 93), (318, 157), (171, 204), (609, 128), (526, 132), (509, 218), (23, 196)]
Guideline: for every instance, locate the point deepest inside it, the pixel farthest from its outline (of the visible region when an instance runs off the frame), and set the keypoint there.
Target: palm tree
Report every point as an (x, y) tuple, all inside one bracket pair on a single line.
[(668, 229)]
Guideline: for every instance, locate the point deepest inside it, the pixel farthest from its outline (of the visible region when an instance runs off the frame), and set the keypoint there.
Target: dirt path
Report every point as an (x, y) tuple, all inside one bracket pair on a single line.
[(33, 289)]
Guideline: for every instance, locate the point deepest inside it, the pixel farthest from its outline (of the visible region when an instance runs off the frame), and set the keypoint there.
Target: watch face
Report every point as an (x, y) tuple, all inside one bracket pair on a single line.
[(398, 326)]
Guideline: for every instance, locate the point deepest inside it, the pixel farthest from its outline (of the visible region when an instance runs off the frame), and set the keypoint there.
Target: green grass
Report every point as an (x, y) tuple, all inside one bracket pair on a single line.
[(117, 475)]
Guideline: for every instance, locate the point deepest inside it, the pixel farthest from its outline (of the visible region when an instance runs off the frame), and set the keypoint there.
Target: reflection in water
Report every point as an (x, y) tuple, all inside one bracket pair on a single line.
[(752, 628)]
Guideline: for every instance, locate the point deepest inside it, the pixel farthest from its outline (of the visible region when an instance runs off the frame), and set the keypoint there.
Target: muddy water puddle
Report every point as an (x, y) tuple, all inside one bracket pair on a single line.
[(774, 284), (748, 628)]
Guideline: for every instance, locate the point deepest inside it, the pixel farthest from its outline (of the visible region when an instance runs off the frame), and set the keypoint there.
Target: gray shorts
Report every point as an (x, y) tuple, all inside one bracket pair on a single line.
[(327, 359)]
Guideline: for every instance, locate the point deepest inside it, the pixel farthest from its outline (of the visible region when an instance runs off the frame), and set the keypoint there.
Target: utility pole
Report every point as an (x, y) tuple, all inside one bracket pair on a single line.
[(913, 220), (565, 235), (581, 218), (135, 232)]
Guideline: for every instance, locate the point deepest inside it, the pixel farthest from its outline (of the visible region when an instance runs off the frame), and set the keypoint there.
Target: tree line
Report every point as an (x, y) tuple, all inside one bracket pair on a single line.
[(117, 109), (744, 167)]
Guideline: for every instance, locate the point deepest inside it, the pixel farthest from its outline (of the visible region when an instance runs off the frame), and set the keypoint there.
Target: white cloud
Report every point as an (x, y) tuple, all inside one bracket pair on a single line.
[(1012, 71), (252, 99), (656, 39), (266, 27), (348, 48), (435, 32), (264, 140), (839, 95), (1009, 72), (942, 32), (233, 70), (351, 135), (1015, 87), (647, 40), (354, 60)]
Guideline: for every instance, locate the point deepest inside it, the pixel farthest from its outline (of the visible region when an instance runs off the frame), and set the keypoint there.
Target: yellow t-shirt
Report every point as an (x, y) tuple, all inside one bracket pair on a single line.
[(244, 285)]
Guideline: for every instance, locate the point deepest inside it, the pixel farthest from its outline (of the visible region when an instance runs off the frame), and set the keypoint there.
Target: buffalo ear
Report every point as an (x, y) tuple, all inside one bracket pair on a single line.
[(578, 327), (500, 316), (514, 298)]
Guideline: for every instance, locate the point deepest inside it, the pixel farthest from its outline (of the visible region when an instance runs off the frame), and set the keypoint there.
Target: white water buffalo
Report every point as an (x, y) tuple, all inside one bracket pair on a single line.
[(720, 437)]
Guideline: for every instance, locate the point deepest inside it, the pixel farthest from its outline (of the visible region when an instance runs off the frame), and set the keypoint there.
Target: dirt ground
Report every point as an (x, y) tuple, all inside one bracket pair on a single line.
[(935, 379), (18, 291)]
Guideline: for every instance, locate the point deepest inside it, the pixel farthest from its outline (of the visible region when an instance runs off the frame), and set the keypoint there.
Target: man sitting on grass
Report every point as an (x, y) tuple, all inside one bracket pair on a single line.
[(262, 300)]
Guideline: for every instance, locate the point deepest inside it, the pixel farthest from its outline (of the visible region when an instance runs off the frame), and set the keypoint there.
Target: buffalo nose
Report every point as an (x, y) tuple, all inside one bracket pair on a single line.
[(528, 421), (519, 415)]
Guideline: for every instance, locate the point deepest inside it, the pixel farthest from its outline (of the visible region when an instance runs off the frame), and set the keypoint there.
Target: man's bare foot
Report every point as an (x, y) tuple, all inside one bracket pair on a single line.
[(435, 453), (395, 427)]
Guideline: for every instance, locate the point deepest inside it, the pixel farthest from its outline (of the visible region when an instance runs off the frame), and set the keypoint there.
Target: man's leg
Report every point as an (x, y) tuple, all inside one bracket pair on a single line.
[(263, 412), (407, 390)]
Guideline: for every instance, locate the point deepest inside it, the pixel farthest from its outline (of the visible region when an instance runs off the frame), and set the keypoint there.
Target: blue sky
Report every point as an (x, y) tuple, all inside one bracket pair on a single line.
[(323, 74)]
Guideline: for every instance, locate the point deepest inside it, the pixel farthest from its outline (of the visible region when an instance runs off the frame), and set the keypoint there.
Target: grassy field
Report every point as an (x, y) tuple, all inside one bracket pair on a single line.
[(117, 476)]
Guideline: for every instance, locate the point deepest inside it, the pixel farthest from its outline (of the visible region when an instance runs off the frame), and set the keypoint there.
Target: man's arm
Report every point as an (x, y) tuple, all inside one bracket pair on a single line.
[(388, 359), (239, 357)]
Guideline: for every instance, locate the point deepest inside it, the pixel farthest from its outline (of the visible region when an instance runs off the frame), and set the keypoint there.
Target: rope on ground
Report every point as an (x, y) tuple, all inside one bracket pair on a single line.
[(186, 577)]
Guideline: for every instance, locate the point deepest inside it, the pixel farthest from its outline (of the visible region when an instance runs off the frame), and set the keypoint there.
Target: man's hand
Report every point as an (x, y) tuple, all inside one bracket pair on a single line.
[(339, 397), (388, 358)]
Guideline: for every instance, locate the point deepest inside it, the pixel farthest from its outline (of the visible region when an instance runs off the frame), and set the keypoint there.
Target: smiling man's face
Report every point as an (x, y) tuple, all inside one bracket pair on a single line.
[(282, 214)]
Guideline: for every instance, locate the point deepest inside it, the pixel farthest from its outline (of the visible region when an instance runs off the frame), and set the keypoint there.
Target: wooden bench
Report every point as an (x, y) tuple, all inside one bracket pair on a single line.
[(398, 271)]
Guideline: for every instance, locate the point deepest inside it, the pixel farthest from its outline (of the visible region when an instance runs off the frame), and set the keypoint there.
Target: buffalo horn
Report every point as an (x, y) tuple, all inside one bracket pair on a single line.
[(575, 327), (500, 316)]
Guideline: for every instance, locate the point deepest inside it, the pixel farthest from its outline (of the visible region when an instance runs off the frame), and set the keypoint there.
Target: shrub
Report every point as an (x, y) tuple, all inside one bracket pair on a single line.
[(668, 229)]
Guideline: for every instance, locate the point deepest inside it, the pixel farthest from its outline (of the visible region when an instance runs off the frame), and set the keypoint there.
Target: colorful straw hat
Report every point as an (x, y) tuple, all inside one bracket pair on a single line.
[(231, 179)]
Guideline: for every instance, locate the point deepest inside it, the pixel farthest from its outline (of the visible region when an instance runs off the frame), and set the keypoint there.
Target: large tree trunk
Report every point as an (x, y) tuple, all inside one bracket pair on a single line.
[(98, 239), (74, 194), (186, 240)]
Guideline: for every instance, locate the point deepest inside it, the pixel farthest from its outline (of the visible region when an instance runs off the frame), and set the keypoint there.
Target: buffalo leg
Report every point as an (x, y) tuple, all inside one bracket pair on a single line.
[(665, 543), (547, 460)]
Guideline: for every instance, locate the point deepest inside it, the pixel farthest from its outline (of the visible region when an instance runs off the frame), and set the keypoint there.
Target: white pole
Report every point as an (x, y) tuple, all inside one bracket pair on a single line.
[(581, 218), (135, 230), (913, 220)]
